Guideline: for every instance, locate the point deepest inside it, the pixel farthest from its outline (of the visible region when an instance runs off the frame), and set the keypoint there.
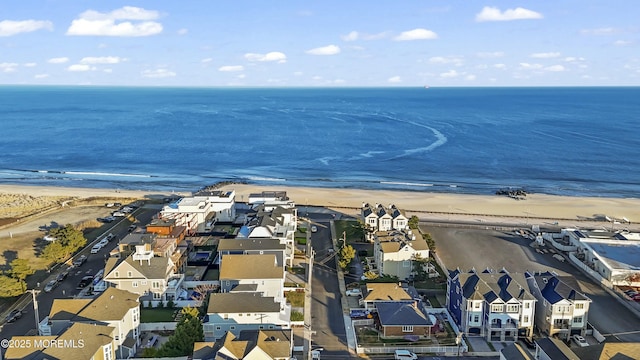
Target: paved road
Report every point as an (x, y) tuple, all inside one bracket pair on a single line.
[(468, 248), (68, 287), (326, 308)]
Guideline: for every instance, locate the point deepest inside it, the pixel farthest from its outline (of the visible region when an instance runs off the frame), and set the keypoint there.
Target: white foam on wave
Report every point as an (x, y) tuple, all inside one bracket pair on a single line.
[(104, 174), (327, 159), (405, 183), (441, 139), (263, 178)]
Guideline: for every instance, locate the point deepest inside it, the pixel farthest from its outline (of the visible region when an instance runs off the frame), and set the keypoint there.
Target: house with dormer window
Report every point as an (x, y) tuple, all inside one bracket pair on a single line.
[(497, 306), (395, 250), (560, 308)]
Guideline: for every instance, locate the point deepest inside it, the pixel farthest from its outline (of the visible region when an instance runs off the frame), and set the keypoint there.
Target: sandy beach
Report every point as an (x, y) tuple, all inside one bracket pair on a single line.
[(535, 206)]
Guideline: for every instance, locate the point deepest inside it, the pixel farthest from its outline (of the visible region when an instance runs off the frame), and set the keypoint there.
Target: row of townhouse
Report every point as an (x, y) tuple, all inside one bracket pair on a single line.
[(106, 327), (381, 218), (503, 306)]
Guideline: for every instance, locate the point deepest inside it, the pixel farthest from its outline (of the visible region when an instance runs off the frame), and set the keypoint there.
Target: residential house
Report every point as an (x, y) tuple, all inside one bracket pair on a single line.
[(403, 320), (278, 223), (385, 292), (395, 252), (255, 246), (560, 308), (151, 277), (200, 212), (497, 306), (78, 341), (237, 311), (270, 200), (116, 308), (514, 351), (250, 344), (261, 270), (553, 349), (380, 218)]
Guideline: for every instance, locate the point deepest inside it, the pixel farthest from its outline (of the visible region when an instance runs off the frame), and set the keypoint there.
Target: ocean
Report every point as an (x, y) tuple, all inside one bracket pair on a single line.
[(576, 141)]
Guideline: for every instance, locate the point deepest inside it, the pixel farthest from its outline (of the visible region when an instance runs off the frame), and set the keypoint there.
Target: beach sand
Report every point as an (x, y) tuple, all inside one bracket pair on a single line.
[(535, 206)]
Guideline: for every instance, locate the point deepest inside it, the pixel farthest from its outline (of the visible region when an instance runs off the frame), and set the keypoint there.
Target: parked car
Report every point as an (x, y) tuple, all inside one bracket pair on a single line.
[(404, 355), (79, 261), (50, 285), (104, 242), (354, 292), (49, 238), (580, 341), (96, 248), (314, 229), (118, 214), (132, 228), (110, 237), (14, 315), (85, 281)]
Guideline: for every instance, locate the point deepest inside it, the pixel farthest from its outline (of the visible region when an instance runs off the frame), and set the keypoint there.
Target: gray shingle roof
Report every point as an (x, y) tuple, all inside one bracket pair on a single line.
[(401, 314), (241, 303)]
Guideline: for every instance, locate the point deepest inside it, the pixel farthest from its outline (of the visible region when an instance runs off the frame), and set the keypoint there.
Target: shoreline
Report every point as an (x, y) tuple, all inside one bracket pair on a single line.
[(535, 205)]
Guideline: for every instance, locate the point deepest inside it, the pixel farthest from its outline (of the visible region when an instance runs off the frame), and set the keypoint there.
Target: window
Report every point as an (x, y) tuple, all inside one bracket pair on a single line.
[(144, 282), (513, 308), (577, 320), (240, 314), (476, 305), (497, 308), (157, 296), (406, 263), (579, 306), (116, 274), (218, 328), (407, 329), (134, 283), (476, 318), (129, 274), (525, 319), (271, 327), (248, 314), (261, 327), (233, 327), (155, 284), (527, 305), (106, 351)]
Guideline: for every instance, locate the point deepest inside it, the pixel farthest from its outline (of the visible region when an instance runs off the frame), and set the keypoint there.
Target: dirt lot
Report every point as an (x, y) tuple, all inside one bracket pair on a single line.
[(24, 239)]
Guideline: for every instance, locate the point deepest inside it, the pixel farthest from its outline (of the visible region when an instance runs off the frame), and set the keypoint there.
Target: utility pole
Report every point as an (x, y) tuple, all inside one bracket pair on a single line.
[(35, 292), (308, 298)]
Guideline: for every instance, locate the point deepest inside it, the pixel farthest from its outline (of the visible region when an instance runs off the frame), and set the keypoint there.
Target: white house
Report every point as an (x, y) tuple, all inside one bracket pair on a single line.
[(395, 251), (497, 306), (560, 309), (278, 223), (202, 210), (380, 218), (237, 311), (262, 271)]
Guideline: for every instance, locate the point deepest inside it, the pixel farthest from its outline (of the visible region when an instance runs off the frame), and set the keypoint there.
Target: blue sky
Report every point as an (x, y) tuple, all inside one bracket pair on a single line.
[(320, 43)]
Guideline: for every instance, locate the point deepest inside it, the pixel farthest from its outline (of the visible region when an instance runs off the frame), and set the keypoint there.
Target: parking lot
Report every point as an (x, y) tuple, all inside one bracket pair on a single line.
[(480, 249)]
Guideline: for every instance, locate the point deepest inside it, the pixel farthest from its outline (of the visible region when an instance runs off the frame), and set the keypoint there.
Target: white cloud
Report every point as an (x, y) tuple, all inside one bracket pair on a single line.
[(206, 61), (500, 66), (58, 60), (339, 81), (622, 42), (108, 71), (449, 74), (157, 73), (546, 55), (416, 34), (324, 50), (30, 64), (600, 31), (102, 60), (470, 77), (8, 67), (489, 13), (183, 31), (272, 56), (317, 77), (394, 79), (527, 66), (352, 36), (229, 68), (494, 54), (41, 76), (95, 23), (10, 27), (241, 76), (573, 59), (80, 67), (456, 60), (555, 68), (102, 46)]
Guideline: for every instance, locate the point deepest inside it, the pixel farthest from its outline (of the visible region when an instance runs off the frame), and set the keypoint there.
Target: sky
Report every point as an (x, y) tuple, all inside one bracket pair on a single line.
[(354, 43)]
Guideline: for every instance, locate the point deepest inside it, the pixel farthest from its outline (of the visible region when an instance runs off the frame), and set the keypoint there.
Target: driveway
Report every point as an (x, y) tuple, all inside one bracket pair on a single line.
[(480, 249)]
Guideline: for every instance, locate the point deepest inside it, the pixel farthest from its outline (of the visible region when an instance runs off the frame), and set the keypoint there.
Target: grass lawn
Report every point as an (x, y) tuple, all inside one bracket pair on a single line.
[(351, 228), (295, 298), (156, 315), (370, 337)]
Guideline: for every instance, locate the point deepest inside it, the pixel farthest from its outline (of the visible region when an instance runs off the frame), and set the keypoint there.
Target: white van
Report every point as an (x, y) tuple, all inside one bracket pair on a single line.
[(404, 355)]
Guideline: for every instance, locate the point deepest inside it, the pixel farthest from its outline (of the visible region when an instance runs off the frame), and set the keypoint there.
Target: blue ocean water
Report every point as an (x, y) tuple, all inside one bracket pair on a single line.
[(568, 141)]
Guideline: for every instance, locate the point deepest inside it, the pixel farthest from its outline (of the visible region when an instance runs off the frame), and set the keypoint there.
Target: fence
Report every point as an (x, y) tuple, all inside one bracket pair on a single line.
[(416, 349), (158, 326)]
